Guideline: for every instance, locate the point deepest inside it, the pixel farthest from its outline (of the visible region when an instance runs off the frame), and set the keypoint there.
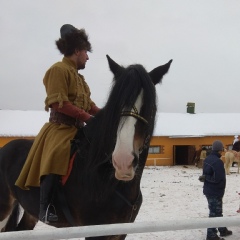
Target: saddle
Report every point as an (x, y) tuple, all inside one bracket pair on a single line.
[(78, 145)]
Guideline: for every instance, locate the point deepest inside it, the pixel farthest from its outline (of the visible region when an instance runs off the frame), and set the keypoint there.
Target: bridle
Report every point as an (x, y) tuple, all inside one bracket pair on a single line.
[(134, 113), (136, 205)]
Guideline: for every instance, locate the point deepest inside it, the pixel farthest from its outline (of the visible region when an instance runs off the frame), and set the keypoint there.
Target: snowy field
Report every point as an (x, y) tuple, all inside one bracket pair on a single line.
[(175, 193)]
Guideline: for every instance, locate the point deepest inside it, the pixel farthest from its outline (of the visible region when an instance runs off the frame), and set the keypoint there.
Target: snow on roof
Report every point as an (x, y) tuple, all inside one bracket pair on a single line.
[(195, 125), (16, 123)]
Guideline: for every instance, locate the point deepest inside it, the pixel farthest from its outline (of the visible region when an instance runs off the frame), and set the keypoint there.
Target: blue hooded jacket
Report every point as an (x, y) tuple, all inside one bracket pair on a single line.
[(215, 177)]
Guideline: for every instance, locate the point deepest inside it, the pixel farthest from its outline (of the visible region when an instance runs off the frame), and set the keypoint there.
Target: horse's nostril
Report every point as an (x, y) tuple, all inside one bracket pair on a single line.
[(114, 164)]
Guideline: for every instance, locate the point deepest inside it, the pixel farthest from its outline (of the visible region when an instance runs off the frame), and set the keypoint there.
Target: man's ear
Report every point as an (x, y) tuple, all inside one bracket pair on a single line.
[(77, 51)]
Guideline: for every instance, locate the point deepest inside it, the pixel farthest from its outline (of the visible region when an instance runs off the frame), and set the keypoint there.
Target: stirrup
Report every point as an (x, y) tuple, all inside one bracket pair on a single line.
[(49, 216)]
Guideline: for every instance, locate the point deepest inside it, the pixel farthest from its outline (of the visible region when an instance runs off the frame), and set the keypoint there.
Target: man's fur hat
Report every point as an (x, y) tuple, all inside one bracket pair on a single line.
[(71, 39)]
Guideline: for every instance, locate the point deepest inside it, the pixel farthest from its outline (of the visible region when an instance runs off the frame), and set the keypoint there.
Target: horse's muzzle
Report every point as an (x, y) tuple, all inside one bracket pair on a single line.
[(124, 176)]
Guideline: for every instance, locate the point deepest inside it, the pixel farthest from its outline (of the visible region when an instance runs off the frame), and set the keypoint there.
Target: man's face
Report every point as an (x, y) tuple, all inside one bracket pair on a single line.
[(82, 58)]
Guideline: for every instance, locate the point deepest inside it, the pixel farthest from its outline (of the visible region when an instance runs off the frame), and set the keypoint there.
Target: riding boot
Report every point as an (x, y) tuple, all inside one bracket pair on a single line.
[(48, 185)]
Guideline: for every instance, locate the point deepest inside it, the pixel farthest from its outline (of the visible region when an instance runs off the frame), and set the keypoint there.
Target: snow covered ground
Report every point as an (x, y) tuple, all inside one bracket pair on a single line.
[(175, 193)]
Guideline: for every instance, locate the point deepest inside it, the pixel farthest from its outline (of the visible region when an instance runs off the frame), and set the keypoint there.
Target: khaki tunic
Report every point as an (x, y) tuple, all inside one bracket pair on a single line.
[(50, 152)]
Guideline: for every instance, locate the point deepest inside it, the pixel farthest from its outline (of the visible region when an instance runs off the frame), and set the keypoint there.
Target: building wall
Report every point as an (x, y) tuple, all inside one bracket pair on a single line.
[(167, 157)]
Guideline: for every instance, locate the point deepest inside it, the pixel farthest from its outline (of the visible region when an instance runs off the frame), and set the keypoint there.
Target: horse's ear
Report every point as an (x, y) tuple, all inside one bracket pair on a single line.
[(157, 73), (114, 67)]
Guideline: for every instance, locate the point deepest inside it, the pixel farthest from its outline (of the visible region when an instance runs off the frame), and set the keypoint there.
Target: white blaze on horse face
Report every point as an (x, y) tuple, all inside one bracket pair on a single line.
[(122, 156)]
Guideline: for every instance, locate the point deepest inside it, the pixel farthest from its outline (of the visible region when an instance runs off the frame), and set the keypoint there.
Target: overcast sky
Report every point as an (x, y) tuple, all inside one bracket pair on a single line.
[(201, 36)]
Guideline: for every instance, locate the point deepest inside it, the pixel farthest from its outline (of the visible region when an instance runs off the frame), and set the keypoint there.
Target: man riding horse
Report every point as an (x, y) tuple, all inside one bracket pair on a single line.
[(68, 97)]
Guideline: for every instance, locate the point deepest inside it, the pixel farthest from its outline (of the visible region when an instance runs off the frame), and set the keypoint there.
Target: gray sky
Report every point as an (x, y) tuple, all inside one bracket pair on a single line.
[(201, 36)]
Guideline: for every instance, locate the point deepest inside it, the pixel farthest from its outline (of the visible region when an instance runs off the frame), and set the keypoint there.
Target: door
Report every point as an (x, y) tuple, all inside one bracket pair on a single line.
[(183, 154)]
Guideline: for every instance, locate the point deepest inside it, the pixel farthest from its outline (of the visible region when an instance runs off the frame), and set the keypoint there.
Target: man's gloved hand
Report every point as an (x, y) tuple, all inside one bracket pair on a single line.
[(202, 178)]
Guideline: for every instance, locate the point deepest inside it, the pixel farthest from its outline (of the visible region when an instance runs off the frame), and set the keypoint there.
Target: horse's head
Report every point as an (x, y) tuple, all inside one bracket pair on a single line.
[(133, 101)]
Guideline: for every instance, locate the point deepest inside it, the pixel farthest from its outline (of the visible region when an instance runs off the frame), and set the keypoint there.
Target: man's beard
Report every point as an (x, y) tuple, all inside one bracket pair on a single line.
[(81, 67)]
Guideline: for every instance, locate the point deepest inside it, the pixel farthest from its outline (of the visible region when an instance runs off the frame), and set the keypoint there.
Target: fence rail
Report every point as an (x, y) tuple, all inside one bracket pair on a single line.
[(123, 228), (156, 159)]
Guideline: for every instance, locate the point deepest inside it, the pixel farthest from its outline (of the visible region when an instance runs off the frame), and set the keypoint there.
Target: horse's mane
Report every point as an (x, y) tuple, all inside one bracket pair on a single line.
[(102, 131)]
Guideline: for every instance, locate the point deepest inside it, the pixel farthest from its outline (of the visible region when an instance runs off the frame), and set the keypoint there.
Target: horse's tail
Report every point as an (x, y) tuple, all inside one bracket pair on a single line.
[(12, 221)]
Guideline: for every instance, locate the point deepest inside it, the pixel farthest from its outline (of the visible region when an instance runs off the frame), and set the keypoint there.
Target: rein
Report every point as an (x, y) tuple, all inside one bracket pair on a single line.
[(133, 206), (134, 114)]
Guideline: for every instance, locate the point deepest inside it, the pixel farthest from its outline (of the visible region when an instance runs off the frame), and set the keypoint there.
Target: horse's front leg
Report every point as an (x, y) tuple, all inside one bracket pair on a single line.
[(27, 222), (227, 168)]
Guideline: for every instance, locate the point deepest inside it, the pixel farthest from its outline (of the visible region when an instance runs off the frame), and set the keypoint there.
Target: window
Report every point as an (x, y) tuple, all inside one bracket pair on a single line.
[(156, 150)]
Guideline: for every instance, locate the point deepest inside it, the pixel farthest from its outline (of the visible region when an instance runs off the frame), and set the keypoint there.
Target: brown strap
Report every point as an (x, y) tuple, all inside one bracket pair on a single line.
[(60, 118)]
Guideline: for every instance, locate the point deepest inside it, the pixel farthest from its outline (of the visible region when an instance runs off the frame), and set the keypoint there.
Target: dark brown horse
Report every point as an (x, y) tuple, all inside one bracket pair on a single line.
[(111, 151)]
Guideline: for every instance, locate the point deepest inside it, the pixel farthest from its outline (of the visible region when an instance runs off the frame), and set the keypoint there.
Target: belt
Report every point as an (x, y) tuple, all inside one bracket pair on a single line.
[(60, 118)]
